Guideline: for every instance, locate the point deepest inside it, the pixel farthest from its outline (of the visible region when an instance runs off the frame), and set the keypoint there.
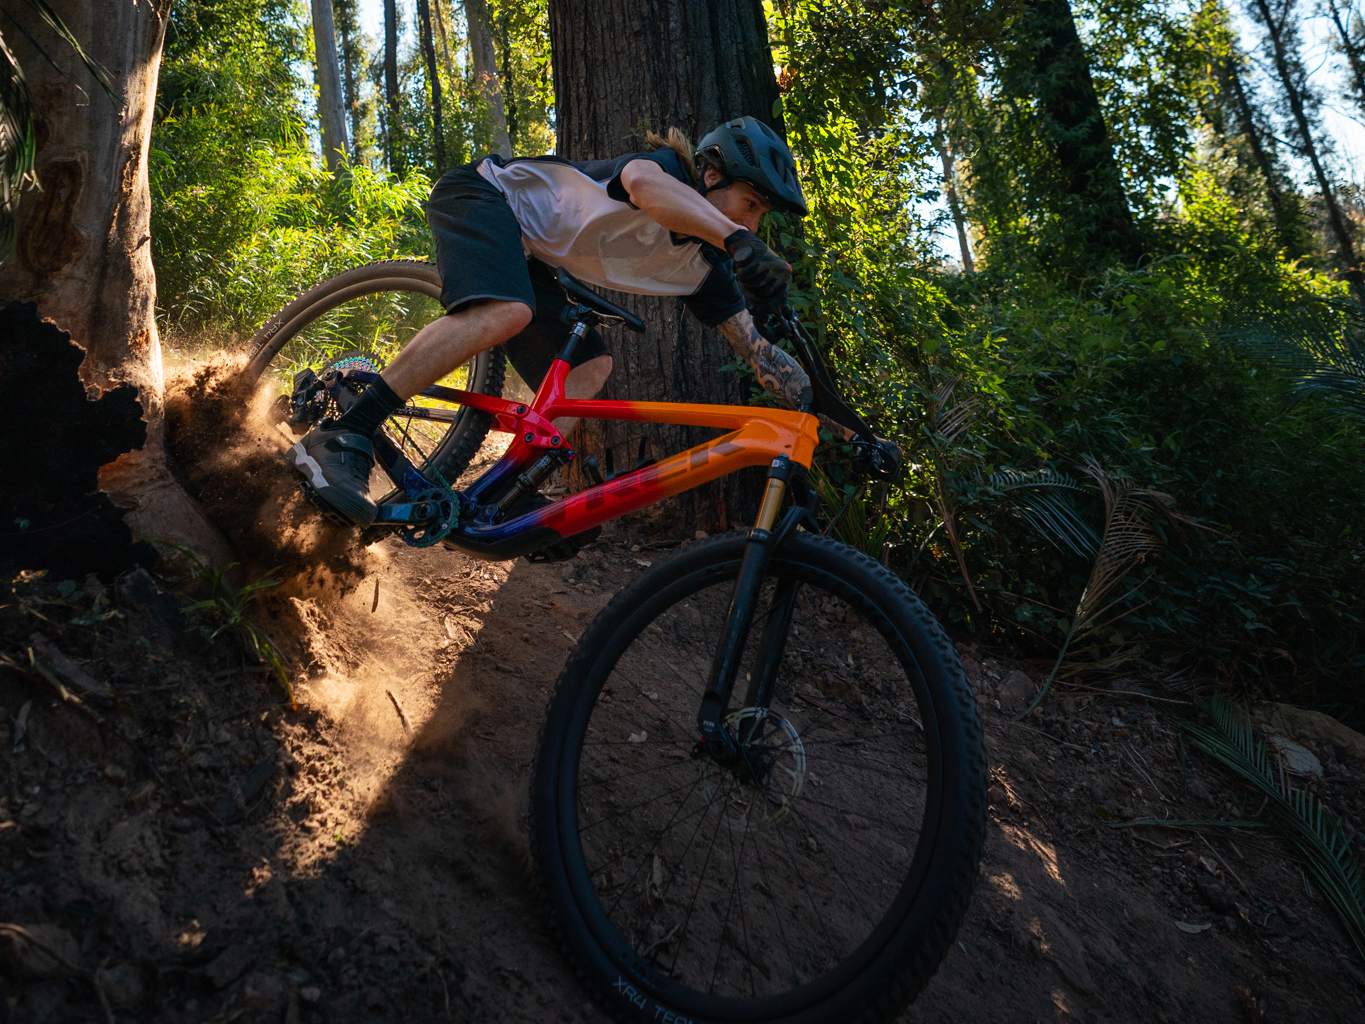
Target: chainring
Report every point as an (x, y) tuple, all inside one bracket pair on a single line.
[(446, 509)]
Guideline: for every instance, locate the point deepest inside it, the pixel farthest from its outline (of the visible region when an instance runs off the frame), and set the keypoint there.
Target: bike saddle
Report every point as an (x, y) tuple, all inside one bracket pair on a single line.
[(585, 296)]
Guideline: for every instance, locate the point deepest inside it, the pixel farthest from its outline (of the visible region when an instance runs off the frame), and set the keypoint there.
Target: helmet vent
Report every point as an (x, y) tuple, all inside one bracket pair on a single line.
[(746, 150)]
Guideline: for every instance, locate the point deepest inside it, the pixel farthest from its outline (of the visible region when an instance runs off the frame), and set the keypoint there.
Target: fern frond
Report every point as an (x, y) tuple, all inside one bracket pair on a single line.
[(1316, 833), (1320, 345)]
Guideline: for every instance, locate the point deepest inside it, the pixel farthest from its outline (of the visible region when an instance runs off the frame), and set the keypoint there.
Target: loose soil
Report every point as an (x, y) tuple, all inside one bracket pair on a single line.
[(193, 848)]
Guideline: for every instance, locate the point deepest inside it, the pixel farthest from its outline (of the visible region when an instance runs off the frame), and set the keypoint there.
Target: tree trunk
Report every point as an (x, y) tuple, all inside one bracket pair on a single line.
[(83, 259), (509, 95), (346, 19), (434, 83), (392, 133), (331, 112), (486, 80), (1352, 51), (1345, 247), (954, 207), (1074, 128), (1258, 152), (693, 64)]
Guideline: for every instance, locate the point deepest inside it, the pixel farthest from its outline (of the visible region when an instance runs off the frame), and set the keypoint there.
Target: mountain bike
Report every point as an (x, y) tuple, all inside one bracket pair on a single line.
[(759, 793)]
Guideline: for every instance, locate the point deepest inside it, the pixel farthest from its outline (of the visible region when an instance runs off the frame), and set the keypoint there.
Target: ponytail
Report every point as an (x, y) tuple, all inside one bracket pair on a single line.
[(677, 142)]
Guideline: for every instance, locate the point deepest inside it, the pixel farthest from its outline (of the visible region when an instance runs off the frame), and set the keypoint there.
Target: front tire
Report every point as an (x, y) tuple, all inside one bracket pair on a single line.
[(831, 889)]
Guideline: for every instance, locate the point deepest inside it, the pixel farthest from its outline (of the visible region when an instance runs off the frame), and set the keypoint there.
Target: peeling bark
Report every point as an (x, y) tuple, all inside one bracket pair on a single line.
[(84, 256)]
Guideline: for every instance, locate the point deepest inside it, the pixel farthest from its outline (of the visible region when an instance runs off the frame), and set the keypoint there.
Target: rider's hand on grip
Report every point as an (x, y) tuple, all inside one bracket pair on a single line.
[(762, 273)]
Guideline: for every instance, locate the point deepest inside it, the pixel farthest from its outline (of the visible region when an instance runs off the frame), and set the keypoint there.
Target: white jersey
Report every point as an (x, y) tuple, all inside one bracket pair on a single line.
[(578, 216)]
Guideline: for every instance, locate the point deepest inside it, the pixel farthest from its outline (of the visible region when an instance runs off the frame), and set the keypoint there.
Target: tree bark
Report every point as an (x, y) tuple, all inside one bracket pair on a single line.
[(693, 64), (83, 255), (392, 133), (1294, 97), (434, 84), (485, 62), (331, 112)]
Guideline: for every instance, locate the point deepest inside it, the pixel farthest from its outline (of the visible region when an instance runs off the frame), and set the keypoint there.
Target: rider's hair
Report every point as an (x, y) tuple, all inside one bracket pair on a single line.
[(678, 142)]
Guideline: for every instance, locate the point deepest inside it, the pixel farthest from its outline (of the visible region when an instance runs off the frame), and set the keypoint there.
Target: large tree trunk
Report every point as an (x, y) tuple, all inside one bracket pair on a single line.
[(1094, 215), (331, 112), (83, 255), (393, 150), (1286, 63), (434, 84), (486, 80), (689, 63)]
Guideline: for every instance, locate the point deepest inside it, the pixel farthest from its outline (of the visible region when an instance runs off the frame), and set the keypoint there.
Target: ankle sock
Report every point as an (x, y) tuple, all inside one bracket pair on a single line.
[(375, 404)]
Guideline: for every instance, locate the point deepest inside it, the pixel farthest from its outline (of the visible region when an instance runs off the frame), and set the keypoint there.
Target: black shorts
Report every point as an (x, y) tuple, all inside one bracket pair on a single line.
[(479, 256)]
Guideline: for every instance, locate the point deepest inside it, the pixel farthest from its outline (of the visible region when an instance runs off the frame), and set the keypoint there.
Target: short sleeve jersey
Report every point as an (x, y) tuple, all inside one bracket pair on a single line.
[(578, 216)]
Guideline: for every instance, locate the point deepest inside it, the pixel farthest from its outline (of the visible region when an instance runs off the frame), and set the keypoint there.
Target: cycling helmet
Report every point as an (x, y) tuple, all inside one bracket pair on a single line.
[(746, 149)]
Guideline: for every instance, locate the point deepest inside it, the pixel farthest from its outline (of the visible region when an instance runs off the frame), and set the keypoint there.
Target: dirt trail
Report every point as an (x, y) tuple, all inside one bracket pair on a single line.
[(210, 854)]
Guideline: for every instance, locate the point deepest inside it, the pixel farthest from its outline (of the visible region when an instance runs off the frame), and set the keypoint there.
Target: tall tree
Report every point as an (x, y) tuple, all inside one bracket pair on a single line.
[(392, 97), (331, 110), (82, 255), (1283, 36), (1355, 53), (433, 84), (689, 63), (485, 63), (1048, 65), (351, 55), (1265, 165)]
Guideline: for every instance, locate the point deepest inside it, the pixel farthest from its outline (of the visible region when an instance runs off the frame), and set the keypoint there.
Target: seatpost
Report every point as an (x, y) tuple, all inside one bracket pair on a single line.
[(580, 328)]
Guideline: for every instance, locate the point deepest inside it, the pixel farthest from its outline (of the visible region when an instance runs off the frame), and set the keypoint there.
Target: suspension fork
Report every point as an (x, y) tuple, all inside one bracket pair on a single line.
[(758, 551)]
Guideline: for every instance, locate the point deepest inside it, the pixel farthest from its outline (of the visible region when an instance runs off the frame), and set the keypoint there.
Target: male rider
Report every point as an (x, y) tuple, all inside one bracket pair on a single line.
[(659, 223)]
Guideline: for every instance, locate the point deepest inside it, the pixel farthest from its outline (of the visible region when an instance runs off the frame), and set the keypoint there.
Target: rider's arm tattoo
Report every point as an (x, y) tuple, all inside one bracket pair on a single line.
[(777, 372)]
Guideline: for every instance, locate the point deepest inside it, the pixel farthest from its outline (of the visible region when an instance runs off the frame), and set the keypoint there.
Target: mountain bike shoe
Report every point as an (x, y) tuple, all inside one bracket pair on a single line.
[(336, 466)]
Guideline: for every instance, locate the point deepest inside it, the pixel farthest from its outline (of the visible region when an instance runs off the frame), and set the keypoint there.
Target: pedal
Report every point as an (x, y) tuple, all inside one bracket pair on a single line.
[(328, 513)]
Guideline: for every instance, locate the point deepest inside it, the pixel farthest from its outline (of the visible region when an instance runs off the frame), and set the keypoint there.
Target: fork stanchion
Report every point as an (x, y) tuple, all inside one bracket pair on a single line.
[(730, 651)]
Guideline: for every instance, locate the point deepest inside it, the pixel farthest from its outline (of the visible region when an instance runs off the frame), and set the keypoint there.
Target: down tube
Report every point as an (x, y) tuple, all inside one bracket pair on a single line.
[(678, 473)]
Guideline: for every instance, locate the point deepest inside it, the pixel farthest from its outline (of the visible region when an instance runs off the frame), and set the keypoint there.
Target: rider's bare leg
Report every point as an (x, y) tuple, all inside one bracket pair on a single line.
[(444, 344), (584, 381)]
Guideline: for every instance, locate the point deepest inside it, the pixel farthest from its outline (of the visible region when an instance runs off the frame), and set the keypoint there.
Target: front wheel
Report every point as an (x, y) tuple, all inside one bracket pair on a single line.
[(827, 884)]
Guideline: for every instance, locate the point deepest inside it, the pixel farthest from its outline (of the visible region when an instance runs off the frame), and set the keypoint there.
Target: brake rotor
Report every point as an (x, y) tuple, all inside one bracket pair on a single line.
[(776, 747)]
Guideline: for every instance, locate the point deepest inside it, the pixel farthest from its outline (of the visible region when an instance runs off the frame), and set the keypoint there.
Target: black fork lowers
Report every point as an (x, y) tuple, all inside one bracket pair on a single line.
[(716, 742)]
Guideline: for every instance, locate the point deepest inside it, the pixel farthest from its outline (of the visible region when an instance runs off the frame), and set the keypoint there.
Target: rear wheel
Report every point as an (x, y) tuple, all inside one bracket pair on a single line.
[(376, 310), (827, 885)]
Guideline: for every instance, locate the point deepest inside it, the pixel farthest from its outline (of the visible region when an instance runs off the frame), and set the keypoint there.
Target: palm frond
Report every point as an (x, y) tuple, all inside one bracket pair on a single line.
[(1044, 500), (1316, 833), (98, 70), (1320, 345)]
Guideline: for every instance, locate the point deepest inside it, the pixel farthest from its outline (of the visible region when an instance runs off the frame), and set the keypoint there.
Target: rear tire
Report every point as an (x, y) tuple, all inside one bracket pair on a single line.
[(863, 835), (357, 310)]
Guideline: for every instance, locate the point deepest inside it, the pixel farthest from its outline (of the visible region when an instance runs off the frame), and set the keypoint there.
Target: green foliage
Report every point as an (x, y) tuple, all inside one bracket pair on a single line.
[(226, 610), (244, 216)]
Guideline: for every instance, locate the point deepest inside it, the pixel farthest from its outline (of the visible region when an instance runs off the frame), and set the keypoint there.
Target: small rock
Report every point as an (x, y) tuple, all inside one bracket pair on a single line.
[(1015, 691), (996, 794), (122, 984), (700, 535), (1216, 894), (1296, 758), (114, 773), (230, 965), (310, 993)]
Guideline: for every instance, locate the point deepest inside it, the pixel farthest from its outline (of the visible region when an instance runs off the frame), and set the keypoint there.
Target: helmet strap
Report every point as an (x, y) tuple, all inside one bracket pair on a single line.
[(725, 182)]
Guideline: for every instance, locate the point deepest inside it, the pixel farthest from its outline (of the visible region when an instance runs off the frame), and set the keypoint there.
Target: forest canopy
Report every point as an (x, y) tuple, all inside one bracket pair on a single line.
[(1091, 265)]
